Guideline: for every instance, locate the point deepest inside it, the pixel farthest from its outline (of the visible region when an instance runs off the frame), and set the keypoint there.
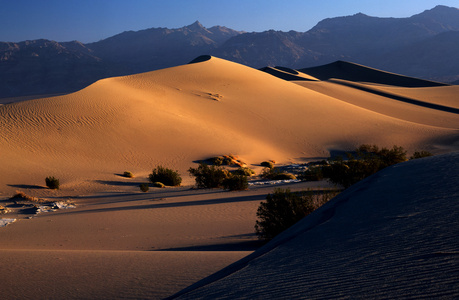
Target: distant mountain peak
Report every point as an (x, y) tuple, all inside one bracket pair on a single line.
[(196, 26)]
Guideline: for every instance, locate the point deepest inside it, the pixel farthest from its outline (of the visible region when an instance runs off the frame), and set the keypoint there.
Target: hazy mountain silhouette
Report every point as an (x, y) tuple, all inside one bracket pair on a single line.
[(425, 45)]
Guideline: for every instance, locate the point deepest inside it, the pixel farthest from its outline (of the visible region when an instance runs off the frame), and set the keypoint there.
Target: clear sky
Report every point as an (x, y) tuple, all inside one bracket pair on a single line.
[(93, 20)]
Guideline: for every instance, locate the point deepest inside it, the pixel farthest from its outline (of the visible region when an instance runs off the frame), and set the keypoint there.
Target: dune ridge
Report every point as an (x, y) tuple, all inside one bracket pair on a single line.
[(187, 113)]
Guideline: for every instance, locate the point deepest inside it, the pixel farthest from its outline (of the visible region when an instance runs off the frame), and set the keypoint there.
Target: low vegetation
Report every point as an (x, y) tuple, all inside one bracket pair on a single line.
[(207, 177), (128, 174), (236, 183), (21, 196), (226, 160), (365, 161), (420, 154), (284, 208), (276, 174), (267, 164), (165, 176), (158, 185), (52, 183), (244, 171), (144, 187)]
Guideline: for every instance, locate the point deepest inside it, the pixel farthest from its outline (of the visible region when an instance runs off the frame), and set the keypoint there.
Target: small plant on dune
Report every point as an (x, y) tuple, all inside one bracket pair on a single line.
[(128, 174), (267, 164), (367, 160), (209, 176), (21, 196), (3, 210), (244, 171), (420, 154), (284, 208), (52, 183), (236, 183), (144, 187), (276, 174), (158, 185), (166, 176), (313, 174)]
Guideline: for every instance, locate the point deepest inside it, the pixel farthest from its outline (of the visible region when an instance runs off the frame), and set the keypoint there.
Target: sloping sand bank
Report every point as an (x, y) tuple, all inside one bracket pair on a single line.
[(393, 235)]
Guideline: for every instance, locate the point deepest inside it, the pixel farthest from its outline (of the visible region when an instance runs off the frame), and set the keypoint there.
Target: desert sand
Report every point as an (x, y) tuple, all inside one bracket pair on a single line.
[(121, 243), (392, 235)]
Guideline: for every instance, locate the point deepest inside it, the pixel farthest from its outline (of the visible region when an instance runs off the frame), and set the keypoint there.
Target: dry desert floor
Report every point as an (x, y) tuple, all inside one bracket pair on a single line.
[(117, 242)]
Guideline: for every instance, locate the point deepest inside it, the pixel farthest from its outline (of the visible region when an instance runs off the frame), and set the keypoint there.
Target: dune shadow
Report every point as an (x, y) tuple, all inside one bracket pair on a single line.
[(119, 183), (159, 205), (27, 186), (238, 246)]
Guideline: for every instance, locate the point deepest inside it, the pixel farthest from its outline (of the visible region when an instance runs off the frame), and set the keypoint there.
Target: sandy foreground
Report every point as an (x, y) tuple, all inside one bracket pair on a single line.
[(390, 236), (120, 243)]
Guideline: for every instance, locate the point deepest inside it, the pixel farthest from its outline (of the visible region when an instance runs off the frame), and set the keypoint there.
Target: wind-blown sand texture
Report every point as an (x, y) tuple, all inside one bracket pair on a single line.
[(119, 242), (393, 235)]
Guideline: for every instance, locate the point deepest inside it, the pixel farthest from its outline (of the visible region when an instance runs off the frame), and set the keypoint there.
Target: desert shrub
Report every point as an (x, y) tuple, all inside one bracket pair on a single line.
[(267, 164), (3, 210), (166, 176), (236, 183), (284, 208), (209, 176), (144, 187), (367, 160), (158, 185), (128, 174), (218, 160), (276, 174), (313, 174), (420, 154), (52, 183), (244, 171)]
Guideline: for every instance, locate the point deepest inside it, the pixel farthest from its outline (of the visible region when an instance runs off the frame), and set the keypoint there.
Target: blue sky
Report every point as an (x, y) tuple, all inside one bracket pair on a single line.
[(93, 20)]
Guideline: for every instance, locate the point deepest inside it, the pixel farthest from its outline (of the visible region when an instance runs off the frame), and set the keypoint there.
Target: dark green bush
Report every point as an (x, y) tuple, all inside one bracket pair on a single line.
[(166, 176), (367, 160), (284, 208), (236, 183), (420, 154), (128, 174), (313, 174), (52, 183), (144, 187), (209, 176), (244, 171), (276, 174), (267, 164)]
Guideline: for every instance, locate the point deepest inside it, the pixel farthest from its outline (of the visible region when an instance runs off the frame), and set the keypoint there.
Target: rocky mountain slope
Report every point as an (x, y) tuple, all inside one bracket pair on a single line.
[(423, 45)]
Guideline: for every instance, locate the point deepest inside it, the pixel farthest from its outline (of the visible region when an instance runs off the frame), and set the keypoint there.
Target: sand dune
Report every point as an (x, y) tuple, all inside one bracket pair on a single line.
[(179, 115), (176, 117), (393, 235), (355, 72)]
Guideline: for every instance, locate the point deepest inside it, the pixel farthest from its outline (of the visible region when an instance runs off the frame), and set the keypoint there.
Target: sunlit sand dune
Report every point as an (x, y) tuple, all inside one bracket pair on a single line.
[(179, 115), (120, 242)]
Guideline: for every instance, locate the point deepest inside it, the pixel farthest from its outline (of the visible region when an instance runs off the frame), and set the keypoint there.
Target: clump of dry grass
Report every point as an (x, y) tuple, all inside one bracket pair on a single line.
[(21, 196), (227, 160), (3, 210)]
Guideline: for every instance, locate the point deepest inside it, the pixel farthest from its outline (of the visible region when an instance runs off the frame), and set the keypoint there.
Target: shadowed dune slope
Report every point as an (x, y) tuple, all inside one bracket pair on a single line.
[(393, 235), (355, 72), (187, 113)]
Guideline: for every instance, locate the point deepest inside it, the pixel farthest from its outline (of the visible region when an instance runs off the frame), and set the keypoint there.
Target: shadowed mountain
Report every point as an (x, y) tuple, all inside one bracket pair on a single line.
[(424, 46)]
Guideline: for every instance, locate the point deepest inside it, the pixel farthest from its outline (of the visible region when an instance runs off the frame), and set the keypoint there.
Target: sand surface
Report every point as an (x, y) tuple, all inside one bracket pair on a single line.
[(393, 235), (121, 243)]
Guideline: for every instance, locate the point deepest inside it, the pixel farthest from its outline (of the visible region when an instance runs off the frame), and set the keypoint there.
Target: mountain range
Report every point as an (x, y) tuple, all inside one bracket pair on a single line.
[(425, 45)]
